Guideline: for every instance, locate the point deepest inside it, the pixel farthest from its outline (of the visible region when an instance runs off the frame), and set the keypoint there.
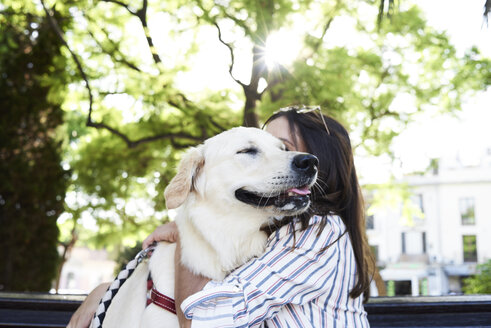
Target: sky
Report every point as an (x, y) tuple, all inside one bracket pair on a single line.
[(467, 134)]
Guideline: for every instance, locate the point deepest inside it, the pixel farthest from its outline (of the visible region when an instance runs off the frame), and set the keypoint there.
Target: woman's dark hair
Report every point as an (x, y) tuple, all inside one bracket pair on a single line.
[(337, 190)]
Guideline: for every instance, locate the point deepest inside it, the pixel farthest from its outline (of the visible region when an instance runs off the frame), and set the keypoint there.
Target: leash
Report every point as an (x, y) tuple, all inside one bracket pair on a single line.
[(106, 300)]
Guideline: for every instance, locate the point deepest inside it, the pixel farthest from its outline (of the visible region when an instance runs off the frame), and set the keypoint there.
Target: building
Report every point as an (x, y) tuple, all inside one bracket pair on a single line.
[(85, 269), (433, 253)]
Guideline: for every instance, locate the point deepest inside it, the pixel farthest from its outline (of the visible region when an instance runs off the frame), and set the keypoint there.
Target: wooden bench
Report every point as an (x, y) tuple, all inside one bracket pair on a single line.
[(44, 310)]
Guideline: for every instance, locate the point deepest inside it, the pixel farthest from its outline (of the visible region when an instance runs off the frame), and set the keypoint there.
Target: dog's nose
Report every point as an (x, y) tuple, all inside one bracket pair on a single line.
[(306, 163)]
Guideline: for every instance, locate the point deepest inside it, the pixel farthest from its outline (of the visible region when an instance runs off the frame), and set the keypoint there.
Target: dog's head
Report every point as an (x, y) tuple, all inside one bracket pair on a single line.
[(245, 167)]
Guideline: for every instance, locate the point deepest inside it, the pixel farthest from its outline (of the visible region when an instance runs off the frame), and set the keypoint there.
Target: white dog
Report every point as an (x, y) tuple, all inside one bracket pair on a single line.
[(226, 189)]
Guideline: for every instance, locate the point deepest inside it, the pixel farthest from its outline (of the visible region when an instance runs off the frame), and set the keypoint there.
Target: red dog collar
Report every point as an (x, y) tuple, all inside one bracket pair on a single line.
[(159, 299)]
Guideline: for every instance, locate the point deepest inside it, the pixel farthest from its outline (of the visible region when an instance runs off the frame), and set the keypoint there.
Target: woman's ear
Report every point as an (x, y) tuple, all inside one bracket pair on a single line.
[(182, 184)]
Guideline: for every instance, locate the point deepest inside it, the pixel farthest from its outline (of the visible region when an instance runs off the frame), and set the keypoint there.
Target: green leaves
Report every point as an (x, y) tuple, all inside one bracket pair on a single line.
[(481, 282), (33, 182), (374, 85), (396, 199), (138, 57)]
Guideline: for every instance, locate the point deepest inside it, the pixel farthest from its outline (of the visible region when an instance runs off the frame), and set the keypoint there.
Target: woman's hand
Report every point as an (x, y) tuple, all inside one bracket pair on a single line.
[(167, 232), (186, 284), (84, 314)]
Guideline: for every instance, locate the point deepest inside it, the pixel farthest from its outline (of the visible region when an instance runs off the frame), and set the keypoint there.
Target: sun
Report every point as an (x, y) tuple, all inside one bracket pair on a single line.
[(282, 48)]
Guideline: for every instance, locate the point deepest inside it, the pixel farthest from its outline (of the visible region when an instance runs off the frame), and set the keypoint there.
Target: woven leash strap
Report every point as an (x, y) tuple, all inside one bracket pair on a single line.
[(106, 300)]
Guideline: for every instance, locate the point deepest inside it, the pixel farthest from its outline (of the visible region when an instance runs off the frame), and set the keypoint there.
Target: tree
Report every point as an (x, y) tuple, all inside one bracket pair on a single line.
[(33, 183), (133, 110), (367, 87), (481, 282), (387, 8)]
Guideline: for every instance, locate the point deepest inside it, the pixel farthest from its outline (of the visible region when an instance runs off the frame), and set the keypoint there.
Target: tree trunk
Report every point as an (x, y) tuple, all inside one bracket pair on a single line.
[(250, 116), (67, 248), (60, 269), (250, 91)]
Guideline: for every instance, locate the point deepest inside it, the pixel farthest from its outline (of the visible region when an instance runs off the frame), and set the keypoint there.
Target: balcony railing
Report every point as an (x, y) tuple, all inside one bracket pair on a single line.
[(43, 310)]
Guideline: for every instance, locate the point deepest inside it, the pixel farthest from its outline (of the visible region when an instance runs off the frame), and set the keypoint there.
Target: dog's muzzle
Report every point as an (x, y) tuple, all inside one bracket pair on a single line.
[(294, 196), (305, 164)]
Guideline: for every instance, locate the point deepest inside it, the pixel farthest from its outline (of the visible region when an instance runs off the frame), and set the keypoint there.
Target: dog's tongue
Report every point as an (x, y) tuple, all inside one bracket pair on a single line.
[(302, 191)]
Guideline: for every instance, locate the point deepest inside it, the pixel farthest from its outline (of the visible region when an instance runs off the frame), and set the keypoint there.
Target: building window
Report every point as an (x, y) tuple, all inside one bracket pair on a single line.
[(413, 242), (467, 211), (399, 288), (403, 241), (418, 200), (470, 248), (423, 237), (417, 209), (370, 222)]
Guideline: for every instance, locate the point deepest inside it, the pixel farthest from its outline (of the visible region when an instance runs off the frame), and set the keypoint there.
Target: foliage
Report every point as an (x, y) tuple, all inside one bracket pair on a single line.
[(33, 183), (367, 86), (481, 282), (125, 255), (137, 96), (377, 86), (393, 196)]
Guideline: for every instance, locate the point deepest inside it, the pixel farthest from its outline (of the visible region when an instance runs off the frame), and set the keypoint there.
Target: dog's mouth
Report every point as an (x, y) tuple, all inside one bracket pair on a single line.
[(292, 199)]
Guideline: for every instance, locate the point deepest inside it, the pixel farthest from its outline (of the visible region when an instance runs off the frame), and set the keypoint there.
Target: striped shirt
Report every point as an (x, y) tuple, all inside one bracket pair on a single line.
[(287, 287)]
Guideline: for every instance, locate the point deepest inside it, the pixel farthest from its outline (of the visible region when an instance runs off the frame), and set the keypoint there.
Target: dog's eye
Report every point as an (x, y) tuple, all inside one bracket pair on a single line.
[(250, 151)]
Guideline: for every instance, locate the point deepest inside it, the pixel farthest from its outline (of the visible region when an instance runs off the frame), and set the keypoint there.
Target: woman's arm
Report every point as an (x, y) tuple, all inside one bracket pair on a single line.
[(84, 314), (186, 284), (261, 288)]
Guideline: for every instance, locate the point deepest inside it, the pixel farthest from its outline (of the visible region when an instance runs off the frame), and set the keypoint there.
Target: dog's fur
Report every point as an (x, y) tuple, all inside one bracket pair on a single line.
[(218, 220)]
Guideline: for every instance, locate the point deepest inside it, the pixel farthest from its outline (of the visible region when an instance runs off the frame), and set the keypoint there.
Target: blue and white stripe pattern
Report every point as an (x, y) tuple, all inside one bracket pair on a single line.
[(287, 287)]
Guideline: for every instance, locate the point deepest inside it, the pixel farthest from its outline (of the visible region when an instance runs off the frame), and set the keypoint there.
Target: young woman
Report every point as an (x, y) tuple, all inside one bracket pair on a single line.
[(314, 272)]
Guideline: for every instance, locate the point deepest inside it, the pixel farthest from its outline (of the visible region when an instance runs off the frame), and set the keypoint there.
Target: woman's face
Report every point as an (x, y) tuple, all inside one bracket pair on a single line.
[(280, 128)]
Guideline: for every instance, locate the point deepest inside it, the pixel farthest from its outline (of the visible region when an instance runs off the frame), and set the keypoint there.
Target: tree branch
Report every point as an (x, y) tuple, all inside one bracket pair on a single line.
[(381, 11), (177, 145), (108, 93), (237, 21), (373, 116), (142, 16), (58, 31), (317, 45), (133, 143), (67, 248), (231, 50), (122, 4), (115, 51), (281, 75), (215, 124), (130, 143), (170, 136), (487, 10)]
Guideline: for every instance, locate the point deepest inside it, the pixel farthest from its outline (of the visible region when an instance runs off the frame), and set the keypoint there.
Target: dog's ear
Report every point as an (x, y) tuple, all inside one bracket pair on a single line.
[(183, 183)]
